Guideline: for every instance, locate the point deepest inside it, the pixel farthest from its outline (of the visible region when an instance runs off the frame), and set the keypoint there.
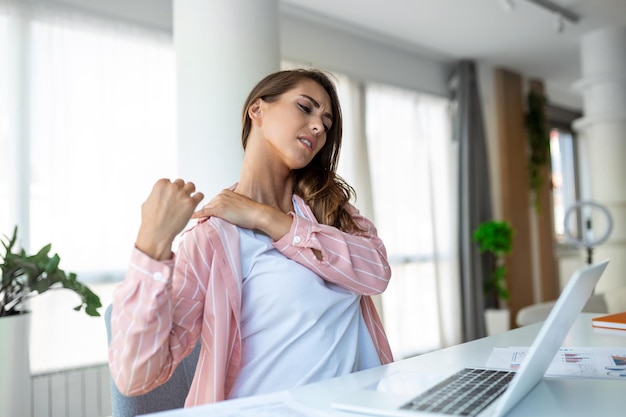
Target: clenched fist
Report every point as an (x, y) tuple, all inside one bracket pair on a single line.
[(164, 215)]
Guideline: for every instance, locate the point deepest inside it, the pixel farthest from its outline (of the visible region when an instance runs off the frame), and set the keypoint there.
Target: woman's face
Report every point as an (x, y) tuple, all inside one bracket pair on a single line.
[(294, 126)]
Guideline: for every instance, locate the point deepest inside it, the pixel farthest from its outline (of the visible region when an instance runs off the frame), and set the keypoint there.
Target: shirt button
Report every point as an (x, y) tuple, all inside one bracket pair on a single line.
[(157, 276), (296, 239)]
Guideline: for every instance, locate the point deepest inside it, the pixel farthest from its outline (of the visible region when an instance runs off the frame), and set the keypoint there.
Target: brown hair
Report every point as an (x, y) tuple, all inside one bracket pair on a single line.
[(317, 183)]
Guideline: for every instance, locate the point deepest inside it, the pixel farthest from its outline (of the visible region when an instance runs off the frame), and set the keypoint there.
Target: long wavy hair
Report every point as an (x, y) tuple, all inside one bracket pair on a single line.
[(317, 183)]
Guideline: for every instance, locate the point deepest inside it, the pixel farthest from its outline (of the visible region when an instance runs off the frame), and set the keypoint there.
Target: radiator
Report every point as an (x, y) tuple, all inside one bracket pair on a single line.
[(77, 392)]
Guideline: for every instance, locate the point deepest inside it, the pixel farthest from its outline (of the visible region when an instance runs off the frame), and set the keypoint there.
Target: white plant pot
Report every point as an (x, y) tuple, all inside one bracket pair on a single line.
[(497, 320), (15, 380)]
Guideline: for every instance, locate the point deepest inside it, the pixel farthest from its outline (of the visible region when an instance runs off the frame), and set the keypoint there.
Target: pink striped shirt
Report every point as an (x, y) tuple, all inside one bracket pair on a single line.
[(161, 308)]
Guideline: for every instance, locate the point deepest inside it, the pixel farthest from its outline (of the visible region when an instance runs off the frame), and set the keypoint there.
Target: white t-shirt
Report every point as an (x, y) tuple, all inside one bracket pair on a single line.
[(296, 327)]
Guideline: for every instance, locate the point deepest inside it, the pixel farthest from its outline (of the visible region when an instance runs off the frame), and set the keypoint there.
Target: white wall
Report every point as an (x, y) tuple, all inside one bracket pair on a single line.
[(360, 57)]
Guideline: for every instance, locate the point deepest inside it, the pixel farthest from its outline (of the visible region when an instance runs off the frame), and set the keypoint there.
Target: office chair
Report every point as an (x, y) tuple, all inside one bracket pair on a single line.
[(539, 312), (608, 302), (168, 396)]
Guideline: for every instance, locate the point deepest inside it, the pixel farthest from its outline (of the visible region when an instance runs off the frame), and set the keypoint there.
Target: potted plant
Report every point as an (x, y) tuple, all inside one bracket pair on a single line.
[(24, 276), (496, 238)]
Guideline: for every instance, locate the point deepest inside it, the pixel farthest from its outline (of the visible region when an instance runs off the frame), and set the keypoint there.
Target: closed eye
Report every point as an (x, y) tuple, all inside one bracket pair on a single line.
[(306, 109)]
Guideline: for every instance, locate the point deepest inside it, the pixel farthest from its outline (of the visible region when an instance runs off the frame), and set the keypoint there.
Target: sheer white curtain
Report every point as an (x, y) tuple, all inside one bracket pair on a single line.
[(413, 175), (91, 125), (354, 164), (8, 115), (87, 125)]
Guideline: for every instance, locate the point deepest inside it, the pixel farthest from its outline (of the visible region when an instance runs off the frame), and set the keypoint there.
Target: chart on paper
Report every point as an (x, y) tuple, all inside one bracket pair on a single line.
[(569, 362)]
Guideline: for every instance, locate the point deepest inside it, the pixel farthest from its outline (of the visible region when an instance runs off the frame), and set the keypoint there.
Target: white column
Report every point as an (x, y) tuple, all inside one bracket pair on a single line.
[(603, 134), (223, 48)]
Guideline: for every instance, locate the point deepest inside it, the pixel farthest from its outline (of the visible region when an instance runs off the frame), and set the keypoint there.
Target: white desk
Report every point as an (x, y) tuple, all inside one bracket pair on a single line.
[(550, 398)]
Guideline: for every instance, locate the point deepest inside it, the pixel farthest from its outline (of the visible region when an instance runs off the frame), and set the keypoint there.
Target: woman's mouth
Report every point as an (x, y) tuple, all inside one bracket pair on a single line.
[(307, 142)]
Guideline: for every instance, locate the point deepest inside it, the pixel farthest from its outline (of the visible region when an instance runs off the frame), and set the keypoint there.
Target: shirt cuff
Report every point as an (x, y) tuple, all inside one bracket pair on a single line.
[(160, 271)]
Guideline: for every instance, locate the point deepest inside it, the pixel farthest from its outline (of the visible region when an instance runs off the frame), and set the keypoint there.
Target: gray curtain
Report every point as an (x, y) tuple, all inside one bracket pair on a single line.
[(474, 196)]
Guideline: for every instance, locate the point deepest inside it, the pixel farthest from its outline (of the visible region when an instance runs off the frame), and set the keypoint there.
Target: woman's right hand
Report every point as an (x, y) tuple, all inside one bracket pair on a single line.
[(244, 212), (164, 214)]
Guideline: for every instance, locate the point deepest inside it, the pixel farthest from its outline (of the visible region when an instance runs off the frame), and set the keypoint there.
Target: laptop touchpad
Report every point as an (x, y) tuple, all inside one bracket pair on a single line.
[(406, 383)]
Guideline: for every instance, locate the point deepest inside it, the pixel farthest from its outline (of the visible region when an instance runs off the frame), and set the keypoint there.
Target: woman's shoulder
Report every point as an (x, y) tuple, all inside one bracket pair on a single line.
[(210, 229), (209, 225)]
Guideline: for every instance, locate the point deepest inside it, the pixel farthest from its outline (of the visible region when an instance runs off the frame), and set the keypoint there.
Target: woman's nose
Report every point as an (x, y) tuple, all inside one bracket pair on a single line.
[(317, 126)]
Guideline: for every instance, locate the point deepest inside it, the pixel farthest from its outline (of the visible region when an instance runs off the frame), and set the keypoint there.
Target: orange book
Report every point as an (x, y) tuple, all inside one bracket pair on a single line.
[(610, 321)]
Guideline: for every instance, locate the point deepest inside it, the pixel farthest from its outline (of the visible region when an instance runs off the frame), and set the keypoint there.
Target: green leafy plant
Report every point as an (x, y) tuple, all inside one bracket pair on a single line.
[(24, 276), (538, 142), (496, 237)]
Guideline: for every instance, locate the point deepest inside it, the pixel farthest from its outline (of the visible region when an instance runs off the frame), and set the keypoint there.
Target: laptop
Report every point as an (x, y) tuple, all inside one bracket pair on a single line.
[(481, 391)]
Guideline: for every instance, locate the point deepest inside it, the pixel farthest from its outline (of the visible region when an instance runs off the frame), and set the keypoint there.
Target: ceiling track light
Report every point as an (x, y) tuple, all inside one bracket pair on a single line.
[(559, 23), (561, 12)]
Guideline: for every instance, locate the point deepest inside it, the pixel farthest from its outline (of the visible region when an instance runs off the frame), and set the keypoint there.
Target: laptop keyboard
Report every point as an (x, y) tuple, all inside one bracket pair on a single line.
[(465, 393)]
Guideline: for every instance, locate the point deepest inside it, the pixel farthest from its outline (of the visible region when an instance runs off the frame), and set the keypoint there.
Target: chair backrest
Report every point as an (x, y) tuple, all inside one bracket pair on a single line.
[(168, 396), (535, 313)]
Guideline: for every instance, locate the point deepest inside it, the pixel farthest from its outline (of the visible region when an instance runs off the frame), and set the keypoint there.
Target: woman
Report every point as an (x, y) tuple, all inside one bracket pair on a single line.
[(276, 275)]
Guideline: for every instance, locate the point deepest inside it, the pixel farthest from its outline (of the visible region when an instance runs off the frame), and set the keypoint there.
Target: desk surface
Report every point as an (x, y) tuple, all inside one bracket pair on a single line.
[(551, 397)]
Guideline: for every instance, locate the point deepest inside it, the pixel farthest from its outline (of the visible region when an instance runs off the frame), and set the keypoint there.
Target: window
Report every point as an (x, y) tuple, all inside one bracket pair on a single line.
[(7, 126), (563, 177), (566, 187), (413, 175), (91, 125), (87, 124)]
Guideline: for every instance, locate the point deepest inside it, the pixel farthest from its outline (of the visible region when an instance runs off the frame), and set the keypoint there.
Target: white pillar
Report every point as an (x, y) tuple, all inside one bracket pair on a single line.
[(223, 48), (603, 134)]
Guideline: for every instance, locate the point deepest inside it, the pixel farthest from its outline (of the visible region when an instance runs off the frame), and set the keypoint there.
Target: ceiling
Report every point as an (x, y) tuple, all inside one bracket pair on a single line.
[(524, 39)]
